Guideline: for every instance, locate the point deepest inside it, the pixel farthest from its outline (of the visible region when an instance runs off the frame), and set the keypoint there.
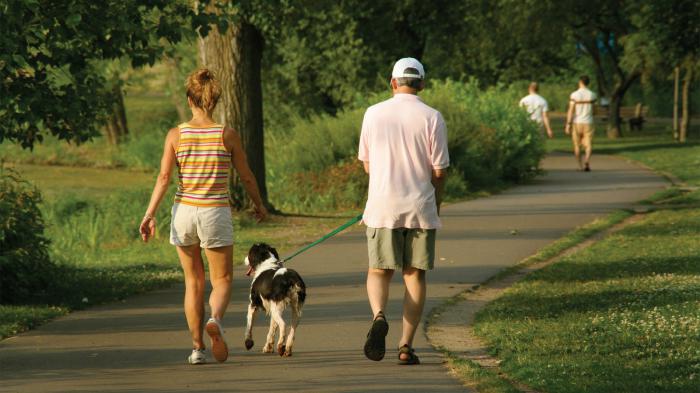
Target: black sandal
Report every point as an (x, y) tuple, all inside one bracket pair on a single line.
[(375, 346), (412, 357)]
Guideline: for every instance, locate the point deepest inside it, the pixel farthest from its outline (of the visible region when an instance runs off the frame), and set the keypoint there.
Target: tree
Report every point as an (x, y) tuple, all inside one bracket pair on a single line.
[(49, 79), (668, 34), (231, 45), (116, 126), (600, 27), (500, 41)]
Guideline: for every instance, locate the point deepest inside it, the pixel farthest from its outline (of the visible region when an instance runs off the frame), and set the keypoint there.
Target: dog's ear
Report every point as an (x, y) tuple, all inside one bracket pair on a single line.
[(274, 252)]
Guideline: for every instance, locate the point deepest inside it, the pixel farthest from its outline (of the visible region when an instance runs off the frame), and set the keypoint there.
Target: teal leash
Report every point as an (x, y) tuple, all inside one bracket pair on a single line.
[(325, 237)]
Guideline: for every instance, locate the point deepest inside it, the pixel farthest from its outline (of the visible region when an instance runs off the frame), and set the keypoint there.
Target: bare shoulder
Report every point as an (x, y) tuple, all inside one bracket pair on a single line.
[(173, 137), (173, 132), (232, 139)]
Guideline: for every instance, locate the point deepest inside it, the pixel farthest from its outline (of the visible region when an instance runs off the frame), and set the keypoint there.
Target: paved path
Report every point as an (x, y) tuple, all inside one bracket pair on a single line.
[(140, 345)]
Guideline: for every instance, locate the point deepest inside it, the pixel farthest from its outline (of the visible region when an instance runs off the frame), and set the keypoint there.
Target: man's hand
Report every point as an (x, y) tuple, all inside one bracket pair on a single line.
[(567, 129), (147, 228), (550, 135)]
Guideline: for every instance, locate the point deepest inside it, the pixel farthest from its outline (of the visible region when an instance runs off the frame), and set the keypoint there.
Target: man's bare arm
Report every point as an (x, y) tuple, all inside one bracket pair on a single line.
[(438, 180), (365, 164), (547, 127), (569, 116)]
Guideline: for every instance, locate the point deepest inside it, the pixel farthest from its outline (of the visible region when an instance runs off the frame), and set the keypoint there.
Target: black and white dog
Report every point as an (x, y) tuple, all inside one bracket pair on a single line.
[(274, 287)]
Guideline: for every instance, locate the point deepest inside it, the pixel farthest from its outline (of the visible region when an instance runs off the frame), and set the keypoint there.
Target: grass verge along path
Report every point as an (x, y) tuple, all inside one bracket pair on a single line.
[(622, 315), (451, 331)]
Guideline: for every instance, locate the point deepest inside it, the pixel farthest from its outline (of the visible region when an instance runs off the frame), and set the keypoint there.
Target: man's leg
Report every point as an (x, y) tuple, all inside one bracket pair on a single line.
[(576, 140), (383, 246), (378, 289), (419, 257), (588, 144), (413, 302), (587, 159)]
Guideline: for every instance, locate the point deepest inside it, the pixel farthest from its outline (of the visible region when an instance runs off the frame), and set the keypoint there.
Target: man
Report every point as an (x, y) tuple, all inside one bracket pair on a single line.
[(579, 122), (537, 107), (403, 146)]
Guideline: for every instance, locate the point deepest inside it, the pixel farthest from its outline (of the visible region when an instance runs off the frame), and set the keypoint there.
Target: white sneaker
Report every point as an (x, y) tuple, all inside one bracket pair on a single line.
[(218, 344), (197, 357)]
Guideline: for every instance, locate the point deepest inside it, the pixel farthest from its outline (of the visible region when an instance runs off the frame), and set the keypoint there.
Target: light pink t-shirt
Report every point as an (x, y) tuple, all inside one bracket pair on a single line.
[(404, 140)]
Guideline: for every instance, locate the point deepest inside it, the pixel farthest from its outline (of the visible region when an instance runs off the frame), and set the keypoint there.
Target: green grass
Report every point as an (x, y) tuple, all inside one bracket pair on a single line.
[(148, 118), (482, 379), (14, 319), (57, 181), (622, 315)]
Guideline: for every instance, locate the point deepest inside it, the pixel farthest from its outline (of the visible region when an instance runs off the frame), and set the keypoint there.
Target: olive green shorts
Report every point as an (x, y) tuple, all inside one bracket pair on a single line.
[(398, 248)]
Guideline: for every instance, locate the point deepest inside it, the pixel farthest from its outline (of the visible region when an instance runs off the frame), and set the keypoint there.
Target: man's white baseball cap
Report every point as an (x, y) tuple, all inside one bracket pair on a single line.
[(408, 62)]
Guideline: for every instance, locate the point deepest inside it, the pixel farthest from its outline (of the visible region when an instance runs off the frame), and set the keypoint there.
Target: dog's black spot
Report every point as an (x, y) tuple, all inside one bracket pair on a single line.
[(276, 287)]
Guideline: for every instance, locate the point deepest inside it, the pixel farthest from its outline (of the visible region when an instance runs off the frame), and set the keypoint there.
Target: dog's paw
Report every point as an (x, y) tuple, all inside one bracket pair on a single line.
[(287, 353), (267, 348), (249, 344), (281, 349)]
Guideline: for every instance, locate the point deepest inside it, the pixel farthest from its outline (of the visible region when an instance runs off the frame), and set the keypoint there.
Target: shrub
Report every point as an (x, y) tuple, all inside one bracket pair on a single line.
[(491, 141), (84, 229), (25, 266)]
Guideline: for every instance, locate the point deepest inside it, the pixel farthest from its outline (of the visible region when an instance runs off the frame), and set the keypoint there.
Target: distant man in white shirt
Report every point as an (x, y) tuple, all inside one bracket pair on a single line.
[(537, 107), (579, 122), (403, 146)]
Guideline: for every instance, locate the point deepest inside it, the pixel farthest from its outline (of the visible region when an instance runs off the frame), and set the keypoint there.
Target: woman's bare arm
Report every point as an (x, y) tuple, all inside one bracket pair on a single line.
[(232, 141), (148, 224)]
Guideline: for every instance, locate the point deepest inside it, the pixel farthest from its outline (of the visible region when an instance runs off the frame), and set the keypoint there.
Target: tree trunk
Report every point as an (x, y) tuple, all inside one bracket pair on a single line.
[(685, 97), (613, 129), (235, 58), (676, 78), (117, 129), (614, 121), (601, 80)]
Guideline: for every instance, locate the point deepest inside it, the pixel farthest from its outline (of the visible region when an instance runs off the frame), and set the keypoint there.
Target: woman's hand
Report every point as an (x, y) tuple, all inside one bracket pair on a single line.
[(147, 227), (260, 213)]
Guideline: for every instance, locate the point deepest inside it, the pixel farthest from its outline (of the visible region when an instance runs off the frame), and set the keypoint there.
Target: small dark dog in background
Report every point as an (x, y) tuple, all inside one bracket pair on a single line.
[(273, 288), (636, 123)]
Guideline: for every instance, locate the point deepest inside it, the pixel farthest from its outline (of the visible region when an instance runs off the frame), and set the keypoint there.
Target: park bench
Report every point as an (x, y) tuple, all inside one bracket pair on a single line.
[(634, 115)]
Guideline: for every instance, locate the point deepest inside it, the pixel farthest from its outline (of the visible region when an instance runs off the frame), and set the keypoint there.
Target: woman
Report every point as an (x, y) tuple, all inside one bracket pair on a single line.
[(201, 215)]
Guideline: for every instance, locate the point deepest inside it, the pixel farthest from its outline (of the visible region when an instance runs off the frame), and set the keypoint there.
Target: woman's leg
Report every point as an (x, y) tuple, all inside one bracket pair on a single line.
[(220, 274), (193, 267)]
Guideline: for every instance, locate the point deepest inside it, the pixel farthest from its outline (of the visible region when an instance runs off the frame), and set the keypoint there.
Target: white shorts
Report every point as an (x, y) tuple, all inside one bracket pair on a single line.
[(210, 227)]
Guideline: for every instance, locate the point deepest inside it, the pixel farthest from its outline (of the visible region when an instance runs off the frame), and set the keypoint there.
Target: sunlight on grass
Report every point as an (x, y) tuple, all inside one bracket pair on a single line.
[(621, 315)]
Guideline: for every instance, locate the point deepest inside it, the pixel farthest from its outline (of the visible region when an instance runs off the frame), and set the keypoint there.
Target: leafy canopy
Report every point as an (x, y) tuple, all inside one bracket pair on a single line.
[(48, 79)]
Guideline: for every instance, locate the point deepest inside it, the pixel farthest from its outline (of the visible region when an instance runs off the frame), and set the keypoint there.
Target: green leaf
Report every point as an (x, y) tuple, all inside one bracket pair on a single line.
[(73, 20)]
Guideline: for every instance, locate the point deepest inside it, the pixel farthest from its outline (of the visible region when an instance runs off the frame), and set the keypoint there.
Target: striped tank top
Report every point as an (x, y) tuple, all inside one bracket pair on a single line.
[(203, 167)]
